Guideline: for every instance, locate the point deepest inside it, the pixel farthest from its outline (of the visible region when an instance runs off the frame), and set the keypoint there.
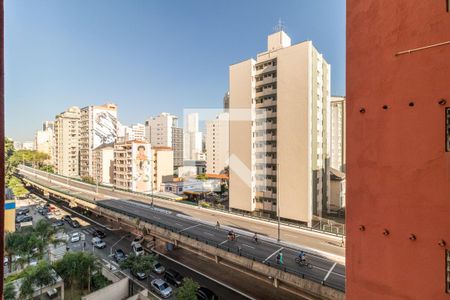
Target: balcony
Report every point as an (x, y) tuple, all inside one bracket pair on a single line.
[(266, 103), (266, 91), (266, 125), (266, 69), (266, 80)]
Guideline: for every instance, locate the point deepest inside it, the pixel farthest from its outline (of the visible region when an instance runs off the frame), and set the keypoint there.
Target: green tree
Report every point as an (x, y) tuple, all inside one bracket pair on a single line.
[(202, 177), (138, 264), (39, 276), (188, 291), (47, 168), (17, 187), (88, 179), (9, 166), (9, 293)]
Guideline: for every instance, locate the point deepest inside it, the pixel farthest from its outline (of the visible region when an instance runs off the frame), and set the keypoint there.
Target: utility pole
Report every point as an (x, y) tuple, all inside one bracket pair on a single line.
[(278, 202)]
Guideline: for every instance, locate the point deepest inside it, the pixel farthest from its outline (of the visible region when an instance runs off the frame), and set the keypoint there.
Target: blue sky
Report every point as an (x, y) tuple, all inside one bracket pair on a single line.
[(147, 56)]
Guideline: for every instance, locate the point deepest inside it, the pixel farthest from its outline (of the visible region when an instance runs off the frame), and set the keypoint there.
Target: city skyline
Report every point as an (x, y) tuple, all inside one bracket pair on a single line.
[(140, 85)]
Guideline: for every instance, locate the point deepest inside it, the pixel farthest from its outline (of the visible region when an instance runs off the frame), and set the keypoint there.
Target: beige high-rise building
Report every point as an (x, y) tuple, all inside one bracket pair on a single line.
[(98, 126), (217, 144), (279, 150), (67, 138), (163, 131), (103, 164), (162, 166), (338, 133)]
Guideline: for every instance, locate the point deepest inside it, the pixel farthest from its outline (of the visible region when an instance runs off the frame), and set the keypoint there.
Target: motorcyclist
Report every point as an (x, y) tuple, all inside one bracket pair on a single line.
[(302, 256), (255, 238)]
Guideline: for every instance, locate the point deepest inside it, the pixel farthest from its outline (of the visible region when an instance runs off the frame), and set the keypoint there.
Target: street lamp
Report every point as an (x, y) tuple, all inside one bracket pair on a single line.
[(110, 249)]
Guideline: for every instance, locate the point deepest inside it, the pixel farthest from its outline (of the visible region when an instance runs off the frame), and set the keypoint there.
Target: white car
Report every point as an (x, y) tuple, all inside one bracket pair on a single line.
[(137, 240), (98, 243), (138, 250), (76, 237)]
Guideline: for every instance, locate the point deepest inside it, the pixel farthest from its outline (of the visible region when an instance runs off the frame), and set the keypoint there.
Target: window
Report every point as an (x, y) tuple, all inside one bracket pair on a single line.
[(447, 129)]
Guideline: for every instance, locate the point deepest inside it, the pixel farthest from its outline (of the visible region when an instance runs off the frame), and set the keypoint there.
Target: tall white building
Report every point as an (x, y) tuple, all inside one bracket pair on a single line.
[(28, 145), (192, 137), (162, 166), (163, 131), (279, 149), (98, 126), (43, 141), (103, 164), (217, 144), (338, 133), (67, 139)]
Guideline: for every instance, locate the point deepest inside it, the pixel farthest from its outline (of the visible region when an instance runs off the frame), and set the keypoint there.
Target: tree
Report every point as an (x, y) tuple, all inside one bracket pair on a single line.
[(9, 293), (188, 291), (9, 165), (138, 264), (43, 275), (47, 168), (88, 179), (202, 177), (13, 246), (17, 187)]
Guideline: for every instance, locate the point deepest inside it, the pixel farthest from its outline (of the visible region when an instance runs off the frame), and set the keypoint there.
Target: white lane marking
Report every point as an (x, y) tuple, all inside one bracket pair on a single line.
[(248, 246), (190, 227), (268, 257), (178, 224), (223, 242), (329, 272)]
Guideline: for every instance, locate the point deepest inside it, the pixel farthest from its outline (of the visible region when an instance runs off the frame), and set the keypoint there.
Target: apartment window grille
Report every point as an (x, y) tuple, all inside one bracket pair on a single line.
[(447, 129)]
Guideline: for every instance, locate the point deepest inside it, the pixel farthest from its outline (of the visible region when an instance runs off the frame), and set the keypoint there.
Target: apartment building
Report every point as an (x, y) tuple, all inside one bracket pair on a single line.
[(337, 155), (98, 126), (43, 141), (162, 166), (163, 131), (177, 146), (67, 139), (279, 152), (192, 137), (133, 166), (103, 164), (217, 144)]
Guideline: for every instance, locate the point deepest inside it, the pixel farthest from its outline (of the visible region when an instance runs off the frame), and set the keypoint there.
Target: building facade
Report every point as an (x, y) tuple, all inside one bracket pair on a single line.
[(162, 166), (217, 144), (98, 126), (67, 139), (283, 142), (103, 164), (337, 156), (133, 166), (192, 137), (398, 154), (163, 131)]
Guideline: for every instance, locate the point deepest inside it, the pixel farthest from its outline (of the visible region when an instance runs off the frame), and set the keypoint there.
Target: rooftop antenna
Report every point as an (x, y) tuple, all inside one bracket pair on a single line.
[(280, 26)]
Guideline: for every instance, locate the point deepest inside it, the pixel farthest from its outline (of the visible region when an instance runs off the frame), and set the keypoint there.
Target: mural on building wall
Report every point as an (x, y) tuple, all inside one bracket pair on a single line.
[(142, 170), (104, 127)]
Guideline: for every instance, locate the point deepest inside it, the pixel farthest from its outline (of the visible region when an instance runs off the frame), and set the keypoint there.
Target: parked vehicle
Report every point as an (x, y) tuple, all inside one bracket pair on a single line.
[(22, 219), (119, 255), (137, 240), (173, 277), (75, 224), (158, 268), (161, 287), (67, 218), (98, 243), (76, 237), (58, 223), (99, 233), (206, 294), (139, 275), (138, 250), (22, 211)]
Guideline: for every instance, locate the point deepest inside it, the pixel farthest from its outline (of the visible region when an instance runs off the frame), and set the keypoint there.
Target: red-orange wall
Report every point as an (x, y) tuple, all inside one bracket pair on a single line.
[(398, 173)]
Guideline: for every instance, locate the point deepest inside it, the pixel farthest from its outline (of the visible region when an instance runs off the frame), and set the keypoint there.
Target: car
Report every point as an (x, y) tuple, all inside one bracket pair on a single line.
[(138, 250), (22, 219), (158, 268), (76, 237), (22, 211), (67, 218), (173, 277), (139, 275), (98, 243), (99, 233), (137, 240), (75, 224), (206, 294), (119, 255), (49, 215), (58, 223), (161, 287)]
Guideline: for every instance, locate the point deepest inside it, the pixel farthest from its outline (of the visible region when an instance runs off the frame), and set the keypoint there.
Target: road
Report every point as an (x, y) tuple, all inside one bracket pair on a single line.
[(122, 240), (323, 270), (324, 244)]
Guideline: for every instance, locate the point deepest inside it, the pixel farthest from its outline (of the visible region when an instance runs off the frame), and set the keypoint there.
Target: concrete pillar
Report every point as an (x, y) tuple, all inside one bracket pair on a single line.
[(62, 291), (275, 282), (175, 243), (217, 259)]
